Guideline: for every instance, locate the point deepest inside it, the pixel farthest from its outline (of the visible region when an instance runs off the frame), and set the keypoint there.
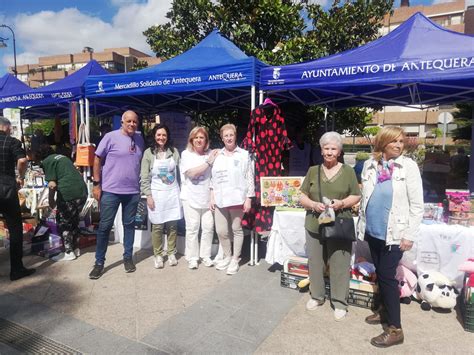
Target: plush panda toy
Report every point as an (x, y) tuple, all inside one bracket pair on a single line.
[(436, 290)]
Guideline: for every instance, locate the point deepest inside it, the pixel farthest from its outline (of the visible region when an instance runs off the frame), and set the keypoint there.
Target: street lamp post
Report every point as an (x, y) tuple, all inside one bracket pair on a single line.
[(14, 48)]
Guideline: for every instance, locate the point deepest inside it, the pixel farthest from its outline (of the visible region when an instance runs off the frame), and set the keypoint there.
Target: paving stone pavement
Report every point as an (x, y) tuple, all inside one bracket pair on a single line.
[(177, 310)]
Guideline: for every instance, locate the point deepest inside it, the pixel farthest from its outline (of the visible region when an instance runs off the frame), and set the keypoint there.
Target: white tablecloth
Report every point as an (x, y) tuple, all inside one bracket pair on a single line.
[(439, 247)]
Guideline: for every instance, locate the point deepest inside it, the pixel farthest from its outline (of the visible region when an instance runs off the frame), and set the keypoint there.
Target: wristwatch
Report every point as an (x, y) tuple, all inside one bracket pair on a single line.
[(96, 183)]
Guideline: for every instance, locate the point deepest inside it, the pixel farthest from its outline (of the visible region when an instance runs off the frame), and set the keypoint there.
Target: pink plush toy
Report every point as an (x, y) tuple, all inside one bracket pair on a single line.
[(406, 283), (467, 266)]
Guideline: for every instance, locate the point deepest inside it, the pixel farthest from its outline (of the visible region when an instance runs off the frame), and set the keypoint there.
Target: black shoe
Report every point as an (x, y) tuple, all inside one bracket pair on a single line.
[(19, 274), (96, 272), (129, 265)]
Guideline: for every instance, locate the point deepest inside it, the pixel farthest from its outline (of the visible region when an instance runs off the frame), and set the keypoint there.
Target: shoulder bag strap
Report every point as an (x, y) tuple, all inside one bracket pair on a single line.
[(319, 184)]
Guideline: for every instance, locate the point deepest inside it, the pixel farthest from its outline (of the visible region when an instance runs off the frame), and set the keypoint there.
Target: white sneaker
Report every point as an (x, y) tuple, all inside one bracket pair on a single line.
[(223, 264), (339, 314), (208, 262), (193, 264), (313, 304), (172, 260), (159, 264), (64, 256), (233, 267)]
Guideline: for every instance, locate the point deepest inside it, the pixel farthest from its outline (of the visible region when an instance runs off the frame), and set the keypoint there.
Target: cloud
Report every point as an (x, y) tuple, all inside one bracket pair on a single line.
[(120, 3), (69, 30)]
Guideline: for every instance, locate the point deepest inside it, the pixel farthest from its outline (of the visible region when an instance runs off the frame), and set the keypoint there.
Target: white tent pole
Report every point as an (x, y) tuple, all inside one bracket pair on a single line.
[(252, 95), (252, 233), (326, 119), (260, 97), (88, 128), (88, 170), (471, 159), (81, 110), (81, 116)]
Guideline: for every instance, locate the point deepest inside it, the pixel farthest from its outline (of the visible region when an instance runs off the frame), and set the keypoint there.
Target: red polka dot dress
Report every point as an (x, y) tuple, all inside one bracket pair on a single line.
[(268, 127)]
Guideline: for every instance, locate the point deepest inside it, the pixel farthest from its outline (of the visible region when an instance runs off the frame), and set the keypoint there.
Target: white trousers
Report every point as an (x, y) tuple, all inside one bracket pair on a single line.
[(196, 218)]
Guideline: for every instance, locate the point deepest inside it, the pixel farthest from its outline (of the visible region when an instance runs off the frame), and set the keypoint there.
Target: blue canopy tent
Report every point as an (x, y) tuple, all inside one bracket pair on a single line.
[(418, 63), (10, 86), (71, 88), (212, 75)]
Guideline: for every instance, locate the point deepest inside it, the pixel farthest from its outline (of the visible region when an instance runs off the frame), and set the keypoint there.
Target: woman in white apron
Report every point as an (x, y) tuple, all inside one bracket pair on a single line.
[(159, 174), (195, 167), (233, 186)]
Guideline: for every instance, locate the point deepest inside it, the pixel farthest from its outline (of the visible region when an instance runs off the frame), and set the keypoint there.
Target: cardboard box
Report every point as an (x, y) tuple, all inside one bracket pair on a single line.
[(363, 286), (86, 240)]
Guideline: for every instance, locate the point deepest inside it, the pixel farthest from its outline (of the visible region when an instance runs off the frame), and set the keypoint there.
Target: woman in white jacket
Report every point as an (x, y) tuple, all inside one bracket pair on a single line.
[(233, 186), (390, 215)]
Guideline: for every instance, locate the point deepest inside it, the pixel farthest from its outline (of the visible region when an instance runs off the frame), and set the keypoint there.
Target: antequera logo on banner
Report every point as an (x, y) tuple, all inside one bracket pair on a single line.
[(100, 87), (276, 77), (422, 65), (227, 76)]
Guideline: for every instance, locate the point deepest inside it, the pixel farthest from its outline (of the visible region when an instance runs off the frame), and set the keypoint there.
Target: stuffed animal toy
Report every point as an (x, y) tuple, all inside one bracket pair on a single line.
[(407, 282), (467, 266), (436, 291)]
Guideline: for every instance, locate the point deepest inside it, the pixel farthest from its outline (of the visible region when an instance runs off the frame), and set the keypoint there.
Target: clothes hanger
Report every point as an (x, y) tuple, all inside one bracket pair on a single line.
[(269, 101)]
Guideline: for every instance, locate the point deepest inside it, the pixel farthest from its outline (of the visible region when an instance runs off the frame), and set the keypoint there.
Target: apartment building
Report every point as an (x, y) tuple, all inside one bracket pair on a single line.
[(455, 16), (448, 14), (55, 67)]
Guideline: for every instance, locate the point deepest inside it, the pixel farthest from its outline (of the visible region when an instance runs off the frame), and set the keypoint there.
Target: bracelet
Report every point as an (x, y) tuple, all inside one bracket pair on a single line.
[(208, 163), (343, 204), (96, 183)]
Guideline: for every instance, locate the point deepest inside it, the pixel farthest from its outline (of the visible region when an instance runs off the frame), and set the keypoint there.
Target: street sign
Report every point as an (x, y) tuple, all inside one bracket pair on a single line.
[(445, 116)]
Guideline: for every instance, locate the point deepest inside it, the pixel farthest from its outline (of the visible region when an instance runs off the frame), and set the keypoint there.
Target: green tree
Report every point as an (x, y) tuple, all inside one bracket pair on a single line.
[(437, 132), (463, 120), (277, 32), (370, 132), (141, 64)]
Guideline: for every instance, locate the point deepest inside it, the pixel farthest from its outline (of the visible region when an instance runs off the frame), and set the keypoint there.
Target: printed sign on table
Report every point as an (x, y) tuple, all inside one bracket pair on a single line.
[(280, 191)]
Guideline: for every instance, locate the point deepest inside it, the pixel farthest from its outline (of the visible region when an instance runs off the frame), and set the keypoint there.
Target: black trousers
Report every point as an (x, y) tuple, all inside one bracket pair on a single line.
[(386, 259), (10, 208)]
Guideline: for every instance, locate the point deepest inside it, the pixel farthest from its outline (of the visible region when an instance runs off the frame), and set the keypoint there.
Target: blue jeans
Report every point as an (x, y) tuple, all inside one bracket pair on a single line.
[(109, 204)]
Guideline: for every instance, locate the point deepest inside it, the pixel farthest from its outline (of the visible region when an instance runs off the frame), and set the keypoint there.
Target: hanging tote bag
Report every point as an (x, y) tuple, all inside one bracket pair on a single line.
[(341, 228), (85, 150)]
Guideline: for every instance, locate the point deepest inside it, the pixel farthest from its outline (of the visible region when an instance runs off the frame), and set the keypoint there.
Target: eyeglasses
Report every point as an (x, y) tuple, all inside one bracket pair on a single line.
[(133, 148)]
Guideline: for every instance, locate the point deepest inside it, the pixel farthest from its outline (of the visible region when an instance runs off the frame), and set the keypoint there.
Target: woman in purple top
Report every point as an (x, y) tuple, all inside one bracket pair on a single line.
[(116, 182)]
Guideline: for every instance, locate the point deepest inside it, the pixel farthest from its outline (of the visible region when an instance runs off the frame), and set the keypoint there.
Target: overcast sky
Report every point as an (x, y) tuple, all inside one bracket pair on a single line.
[(48, 27)]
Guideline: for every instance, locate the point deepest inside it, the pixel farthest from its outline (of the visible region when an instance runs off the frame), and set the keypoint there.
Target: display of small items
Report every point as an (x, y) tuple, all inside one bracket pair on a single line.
[(459, 207)]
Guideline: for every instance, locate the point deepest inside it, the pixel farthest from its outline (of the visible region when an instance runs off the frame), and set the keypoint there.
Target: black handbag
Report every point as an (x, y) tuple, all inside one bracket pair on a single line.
[(341, 228)]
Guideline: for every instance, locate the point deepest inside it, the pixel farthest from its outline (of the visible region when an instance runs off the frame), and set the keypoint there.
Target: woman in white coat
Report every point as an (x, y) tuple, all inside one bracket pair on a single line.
[(159, 183), (391, 211), (232, 187)]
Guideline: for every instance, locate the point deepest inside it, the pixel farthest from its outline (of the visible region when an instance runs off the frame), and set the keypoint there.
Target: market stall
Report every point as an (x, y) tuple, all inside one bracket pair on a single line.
[(418, 64), (213, 75), (440, 246)]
